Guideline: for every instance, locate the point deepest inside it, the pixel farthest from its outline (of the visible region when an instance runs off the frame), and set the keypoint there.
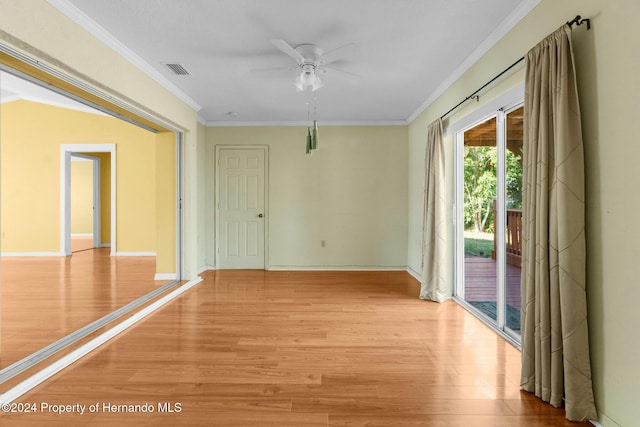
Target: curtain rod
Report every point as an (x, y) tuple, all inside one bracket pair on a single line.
[(578, 20)]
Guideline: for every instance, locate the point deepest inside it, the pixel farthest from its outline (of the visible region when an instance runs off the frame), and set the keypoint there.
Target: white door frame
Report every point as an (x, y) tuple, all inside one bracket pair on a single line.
[(496, 108), (265, 149), (97, 196), (66, 151)]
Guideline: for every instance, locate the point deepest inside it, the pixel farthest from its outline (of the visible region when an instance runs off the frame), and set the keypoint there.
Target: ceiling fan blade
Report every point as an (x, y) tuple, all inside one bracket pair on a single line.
[(286, 48), (337, 54), (340, 71)]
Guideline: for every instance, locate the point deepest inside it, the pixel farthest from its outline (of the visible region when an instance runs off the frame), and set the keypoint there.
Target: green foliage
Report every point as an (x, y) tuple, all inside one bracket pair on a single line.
[(514, 180), (479, 187), (480, 165)]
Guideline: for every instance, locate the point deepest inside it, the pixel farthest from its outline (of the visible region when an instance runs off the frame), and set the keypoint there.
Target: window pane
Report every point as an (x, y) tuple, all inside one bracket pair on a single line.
[(513, 232), (480, 172)]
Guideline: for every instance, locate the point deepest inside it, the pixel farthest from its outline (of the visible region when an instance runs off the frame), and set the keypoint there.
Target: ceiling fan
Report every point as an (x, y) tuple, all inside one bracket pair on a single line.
[(311, 61)]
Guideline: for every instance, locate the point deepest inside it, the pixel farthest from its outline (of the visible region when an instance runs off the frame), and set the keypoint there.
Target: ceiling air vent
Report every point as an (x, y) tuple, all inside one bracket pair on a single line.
[(177, 69)]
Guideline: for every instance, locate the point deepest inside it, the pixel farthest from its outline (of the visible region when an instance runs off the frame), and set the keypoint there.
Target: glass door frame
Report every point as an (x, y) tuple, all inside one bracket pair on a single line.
[(500, 114)]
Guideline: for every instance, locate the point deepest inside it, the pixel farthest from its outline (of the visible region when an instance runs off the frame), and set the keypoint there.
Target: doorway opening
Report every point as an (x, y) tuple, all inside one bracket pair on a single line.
[(89, 152), (489, 212), (85, 228)]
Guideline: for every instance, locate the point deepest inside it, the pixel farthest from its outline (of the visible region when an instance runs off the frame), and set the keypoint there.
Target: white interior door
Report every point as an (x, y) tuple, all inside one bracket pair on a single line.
[(241, 208)]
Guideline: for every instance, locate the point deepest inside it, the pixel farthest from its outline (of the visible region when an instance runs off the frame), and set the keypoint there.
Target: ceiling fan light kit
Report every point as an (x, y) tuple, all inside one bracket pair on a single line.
[(310, 60)]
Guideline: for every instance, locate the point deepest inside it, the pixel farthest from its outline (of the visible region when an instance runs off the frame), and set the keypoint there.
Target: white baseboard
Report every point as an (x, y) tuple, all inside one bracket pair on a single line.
[(595, 423), (135, 254), (46, 373), (205, 268), (81, 235), (105, 245), (165, 276), (414, 273), (334, 268), (10, 254)]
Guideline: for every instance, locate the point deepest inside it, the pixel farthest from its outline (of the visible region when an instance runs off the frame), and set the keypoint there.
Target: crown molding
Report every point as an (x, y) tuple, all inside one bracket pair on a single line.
[(305, 123), (501, 30), (80, 18)]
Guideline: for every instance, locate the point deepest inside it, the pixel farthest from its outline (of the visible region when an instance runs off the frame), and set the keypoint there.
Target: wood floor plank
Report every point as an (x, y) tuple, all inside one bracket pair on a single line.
[(431, 420), (465, 392), (248, 348), (402, 405), (46, 298)]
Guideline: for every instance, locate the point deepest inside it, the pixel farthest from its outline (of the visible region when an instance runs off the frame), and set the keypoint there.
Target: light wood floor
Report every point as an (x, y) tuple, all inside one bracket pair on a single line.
[(254, 348), (46, 298), (81, 244)]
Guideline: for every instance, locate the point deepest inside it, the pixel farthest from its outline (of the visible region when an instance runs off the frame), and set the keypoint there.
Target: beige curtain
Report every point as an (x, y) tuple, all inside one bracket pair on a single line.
[(555, 342), (434, 230)]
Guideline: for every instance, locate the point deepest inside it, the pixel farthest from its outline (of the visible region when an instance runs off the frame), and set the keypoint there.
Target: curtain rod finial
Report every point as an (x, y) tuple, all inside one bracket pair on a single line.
[(578, 20)]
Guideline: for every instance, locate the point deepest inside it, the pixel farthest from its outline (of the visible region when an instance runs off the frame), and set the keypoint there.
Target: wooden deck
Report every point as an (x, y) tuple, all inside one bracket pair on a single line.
[(480, 281)]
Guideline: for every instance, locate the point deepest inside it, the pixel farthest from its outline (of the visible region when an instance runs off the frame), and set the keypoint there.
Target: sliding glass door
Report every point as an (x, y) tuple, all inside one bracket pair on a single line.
[(513, 217), (489, 218)]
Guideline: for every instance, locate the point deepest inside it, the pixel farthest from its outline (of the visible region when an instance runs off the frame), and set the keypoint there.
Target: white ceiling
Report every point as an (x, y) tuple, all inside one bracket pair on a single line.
[(408, 51)]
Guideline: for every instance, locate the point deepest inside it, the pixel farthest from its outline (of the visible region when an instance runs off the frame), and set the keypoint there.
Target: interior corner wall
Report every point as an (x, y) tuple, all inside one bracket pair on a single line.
[(351, 194), (201, 196), (31, 176), (608, 73)]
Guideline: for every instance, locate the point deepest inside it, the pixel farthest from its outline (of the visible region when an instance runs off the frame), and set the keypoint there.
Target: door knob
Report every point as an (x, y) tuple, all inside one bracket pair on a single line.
[(260, 215)]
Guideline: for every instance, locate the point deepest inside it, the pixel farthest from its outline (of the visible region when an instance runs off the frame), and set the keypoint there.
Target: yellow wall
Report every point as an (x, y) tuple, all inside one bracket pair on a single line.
[(40, 31), (351, 193), (81, 197), (608, 70), (165, 193), (31, 137), (30, 195)]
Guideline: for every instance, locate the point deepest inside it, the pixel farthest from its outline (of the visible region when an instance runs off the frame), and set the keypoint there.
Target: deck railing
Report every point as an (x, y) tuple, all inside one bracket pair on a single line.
[(513, 236)]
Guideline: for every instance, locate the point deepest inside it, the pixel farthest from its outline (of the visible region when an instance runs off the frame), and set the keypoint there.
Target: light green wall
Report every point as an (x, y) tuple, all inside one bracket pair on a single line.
[(608, 69), (165, 191), (203, 220), (352, 193)]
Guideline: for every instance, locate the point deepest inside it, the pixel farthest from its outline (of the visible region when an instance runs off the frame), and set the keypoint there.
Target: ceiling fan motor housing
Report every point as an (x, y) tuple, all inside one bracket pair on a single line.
[(310, 52)]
